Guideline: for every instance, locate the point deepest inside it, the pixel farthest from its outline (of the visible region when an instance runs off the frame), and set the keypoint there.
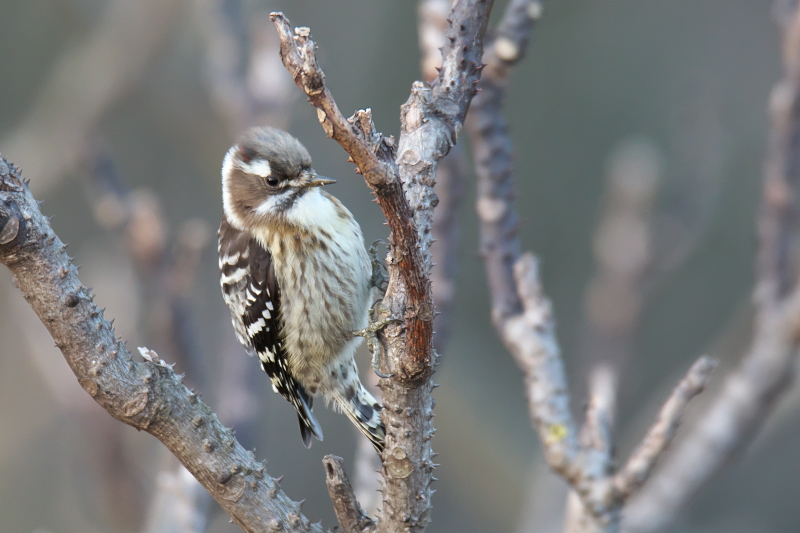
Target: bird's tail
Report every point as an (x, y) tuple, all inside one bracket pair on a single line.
[(305, 415), (365, 412)]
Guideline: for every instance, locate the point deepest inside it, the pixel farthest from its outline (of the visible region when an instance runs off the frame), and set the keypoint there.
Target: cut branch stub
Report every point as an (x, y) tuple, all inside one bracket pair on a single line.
[(348, 510)]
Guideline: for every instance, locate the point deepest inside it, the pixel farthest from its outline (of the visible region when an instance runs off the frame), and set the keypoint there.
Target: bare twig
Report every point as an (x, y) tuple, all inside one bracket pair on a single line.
[(348, 511), (494, 163), (430, 121), (641, 463), (146, 395), (750, 391), (530, 337), (584, 463), (596, 440), (85, 81)]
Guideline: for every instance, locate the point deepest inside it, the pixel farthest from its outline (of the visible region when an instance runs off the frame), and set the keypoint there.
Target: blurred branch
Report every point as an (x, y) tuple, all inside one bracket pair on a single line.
[(247, 82), (523, 316), (147, 395), (493, 161), (767, 371), (450, 187), (623, 249), (166, 261), (640, 464), (586, 463), (86, 81), (179, 503), (430, 121)]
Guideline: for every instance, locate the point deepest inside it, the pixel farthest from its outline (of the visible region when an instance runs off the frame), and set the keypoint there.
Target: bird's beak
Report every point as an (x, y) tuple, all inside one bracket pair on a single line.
[(319, 181)]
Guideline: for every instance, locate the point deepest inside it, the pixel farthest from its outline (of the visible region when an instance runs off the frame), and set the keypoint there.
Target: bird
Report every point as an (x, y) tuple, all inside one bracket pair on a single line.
[(297, 278)]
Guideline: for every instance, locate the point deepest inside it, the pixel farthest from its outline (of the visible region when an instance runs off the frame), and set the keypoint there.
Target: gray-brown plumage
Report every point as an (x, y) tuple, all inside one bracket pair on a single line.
[(296, 277)]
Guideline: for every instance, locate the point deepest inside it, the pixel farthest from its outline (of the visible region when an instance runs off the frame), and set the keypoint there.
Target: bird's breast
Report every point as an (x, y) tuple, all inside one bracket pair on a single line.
[(323, 274)]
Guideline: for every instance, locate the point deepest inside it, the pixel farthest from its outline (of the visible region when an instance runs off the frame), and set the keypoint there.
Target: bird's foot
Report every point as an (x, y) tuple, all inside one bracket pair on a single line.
[(370, 333)]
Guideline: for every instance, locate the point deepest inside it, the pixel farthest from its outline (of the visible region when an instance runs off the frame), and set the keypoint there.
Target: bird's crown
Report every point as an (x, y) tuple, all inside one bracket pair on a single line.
[(271, 154)]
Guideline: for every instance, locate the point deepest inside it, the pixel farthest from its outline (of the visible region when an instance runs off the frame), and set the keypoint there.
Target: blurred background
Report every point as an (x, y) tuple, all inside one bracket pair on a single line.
[(640, 130)]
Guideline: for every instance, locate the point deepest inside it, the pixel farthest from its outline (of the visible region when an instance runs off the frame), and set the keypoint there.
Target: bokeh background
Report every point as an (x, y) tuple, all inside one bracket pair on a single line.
[(107, 101)]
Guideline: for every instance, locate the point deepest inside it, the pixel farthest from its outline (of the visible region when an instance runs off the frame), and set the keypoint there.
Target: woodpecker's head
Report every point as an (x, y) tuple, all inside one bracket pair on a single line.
[(264, 175)]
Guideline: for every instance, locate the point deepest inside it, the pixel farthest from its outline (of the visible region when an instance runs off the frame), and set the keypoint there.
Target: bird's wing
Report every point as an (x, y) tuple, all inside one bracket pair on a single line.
[(250, 289)]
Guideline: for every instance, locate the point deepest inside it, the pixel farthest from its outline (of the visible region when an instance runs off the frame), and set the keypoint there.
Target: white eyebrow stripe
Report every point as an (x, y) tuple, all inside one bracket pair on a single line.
[(259, 167)]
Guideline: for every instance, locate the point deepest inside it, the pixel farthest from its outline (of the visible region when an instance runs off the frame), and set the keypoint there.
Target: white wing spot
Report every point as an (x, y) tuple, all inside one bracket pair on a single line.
[(233, 278), (229, 259), (255, 327)]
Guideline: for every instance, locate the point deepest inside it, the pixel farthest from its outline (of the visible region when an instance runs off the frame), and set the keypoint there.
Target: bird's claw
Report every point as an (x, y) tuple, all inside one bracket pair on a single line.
[(381, 374), (370, 333)]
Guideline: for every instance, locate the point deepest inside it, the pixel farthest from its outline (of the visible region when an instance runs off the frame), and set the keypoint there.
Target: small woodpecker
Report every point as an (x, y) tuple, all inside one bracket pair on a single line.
[(297, 278)]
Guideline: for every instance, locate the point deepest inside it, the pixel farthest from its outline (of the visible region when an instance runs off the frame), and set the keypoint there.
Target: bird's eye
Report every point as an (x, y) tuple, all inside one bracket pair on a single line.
[(272, 182)]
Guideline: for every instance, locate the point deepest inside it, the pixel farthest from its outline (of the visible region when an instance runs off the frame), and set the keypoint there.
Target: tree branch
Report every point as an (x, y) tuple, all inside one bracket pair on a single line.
[(596, 439), (530, 337), (298, 54), (522, 314), (146, 395), (430, 121)]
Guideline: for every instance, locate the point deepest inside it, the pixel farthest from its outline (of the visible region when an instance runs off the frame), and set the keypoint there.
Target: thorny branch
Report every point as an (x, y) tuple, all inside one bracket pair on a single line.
[(147, 395), (768, 370), (450, 187), (403, 184), (523, 317)]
